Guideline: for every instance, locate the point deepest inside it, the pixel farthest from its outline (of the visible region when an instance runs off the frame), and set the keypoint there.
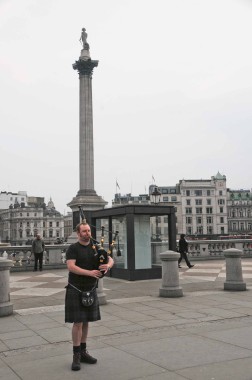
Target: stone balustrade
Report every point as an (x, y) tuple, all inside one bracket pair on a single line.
[(206, 249), (54, 256)]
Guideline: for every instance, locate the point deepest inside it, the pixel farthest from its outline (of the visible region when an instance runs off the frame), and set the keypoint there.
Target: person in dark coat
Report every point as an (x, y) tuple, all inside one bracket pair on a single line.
[(183, 250), (38, 247)]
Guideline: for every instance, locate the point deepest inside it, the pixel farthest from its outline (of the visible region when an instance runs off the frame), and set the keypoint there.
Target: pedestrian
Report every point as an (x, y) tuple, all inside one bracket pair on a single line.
[(183, 250), (38, 247), (83, 276)]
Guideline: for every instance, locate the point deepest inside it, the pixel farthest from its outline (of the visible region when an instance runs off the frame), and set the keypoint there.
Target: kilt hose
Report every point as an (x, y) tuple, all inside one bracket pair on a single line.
[(75, 312)]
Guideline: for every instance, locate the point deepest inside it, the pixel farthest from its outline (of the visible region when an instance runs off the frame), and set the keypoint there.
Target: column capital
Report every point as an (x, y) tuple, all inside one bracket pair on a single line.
[(85, 67)]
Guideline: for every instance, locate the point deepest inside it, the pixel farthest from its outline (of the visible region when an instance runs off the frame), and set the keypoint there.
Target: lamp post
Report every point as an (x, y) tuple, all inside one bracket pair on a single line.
[(156, 195)]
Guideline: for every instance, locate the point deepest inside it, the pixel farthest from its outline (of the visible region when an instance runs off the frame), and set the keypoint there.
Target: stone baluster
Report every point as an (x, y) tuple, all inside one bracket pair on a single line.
[(234, 278), (170, 275)]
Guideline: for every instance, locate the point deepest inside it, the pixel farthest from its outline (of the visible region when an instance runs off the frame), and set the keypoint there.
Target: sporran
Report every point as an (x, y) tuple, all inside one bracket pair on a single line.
[(87, 298)]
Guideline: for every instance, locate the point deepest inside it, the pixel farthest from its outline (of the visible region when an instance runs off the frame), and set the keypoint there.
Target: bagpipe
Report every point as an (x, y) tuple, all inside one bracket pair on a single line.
[(100, 254)]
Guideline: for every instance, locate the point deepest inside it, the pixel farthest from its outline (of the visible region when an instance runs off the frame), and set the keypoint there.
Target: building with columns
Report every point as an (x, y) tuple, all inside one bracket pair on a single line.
[(19, 224)]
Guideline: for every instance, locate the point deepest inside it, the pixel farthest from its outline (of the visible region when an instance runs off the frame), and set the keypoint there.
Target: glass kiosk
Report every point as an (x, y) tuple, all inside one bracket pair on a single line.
[(135, 254)]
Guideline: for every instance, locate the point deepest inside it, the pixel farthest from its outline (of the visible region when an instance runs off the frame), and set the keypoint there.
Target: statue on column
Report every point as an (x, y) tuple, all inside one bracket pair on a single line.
[(83, 39)]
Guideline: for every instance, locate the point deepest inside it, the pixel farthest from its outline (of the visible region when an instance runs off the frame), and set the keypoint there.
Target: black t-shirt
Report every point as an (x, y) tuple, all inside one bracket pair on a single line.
[(85, 259)]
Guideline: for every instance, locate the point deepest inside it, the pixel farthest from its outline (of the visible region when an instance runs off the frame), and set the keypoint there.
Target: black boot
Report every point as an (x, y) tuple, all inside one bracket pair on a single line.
[(76, 361), (86, 358)]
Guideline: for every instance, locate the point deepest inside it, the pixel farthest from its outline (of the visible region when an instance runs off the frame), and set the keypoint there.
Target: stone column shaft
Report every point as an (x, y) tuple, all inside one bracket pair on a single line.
[(86, 150)]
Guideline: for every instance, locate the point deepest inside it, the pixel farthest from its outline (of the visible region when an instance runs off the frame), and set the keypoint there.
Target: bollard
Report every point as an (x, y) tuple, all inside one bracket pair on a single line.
[(234, 278), (101, 295), (6, 307), (170, 275)]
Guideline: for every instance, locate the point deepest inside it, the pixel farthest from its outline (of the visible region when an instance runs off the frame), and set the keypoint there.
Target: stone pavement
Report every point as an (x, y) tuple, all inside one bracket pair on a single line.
[(206, 334)]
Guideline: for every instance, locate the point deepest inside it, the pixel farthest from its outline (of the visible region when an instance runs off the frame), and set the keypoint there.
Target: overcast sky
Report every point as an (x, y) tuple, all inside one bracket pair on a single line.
[(172, 94)]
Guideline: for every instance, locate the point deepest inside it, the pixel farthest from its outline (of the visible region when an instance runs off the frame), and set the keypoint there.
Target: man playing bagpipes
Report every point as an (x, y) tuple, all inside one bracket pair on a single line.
[(86, 264)]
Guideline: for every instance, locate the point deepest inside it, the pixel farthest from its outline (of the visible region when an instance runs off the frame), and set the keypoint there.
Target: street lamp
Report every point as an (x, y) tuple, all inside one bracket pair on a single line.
[(156, 195)]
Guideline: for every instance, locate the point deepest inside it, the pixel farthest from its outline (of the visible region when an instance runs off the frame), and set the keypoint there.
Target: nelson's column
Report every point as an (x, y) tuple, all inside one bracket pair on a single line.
[(86, 196)]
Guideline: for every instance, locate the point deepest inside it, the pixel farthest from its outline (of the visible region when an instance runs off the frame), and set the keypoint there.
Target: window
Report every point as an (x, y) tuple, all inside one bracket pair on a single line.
[(199, 230), (35, 224), (28, 224), (20, 214), (188, 202), (221, 201), (189, 230), (234, 226), (220, 192), (188, 220), (209, 202), (50, 225), (209, 220), (221, 210), (249, 226), (208, 193), (57, 233), (164, 191), (174, 199), (50, 233), (199, 220), (21, 224), (188, 210), (165, 199), (188, 193), (198, 202), (43, 224), (27, 214), (209, 230), (198, 193), (222, 230), (35, 214), (242, 226), (198, 210), (221, 219), (209, 210), (57, 224)]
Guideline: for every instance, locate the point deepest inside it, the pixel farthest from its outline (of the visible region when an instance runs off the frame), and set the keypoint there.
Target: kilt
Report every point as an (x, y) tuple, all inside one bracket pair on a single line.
[(75, 312)]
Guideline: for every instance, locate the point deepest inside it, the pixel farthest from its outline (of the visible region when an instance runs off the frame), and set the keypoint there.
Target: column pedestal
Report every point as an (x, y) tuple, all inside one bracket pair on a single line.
[(6, 307), (234, 278), (170, 275)]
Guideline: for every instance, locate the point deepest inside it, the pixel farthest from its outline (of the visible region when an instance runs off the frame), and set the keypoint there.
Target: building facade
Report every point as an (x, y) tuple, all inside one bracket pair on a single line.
[(239, 204), (204, 206), (14, 199), (19, 225)]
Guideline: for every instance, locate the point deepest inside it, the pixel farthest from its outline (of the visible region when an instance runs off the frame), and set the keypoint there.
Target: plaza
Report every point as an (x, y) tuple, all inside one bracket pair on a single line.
[(206, 334)]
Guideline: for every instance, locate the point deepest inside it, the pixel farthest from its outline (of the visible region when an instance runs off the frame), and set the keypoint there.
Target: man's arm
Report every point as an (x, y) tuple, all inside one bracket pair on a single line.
[(72, 267)]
